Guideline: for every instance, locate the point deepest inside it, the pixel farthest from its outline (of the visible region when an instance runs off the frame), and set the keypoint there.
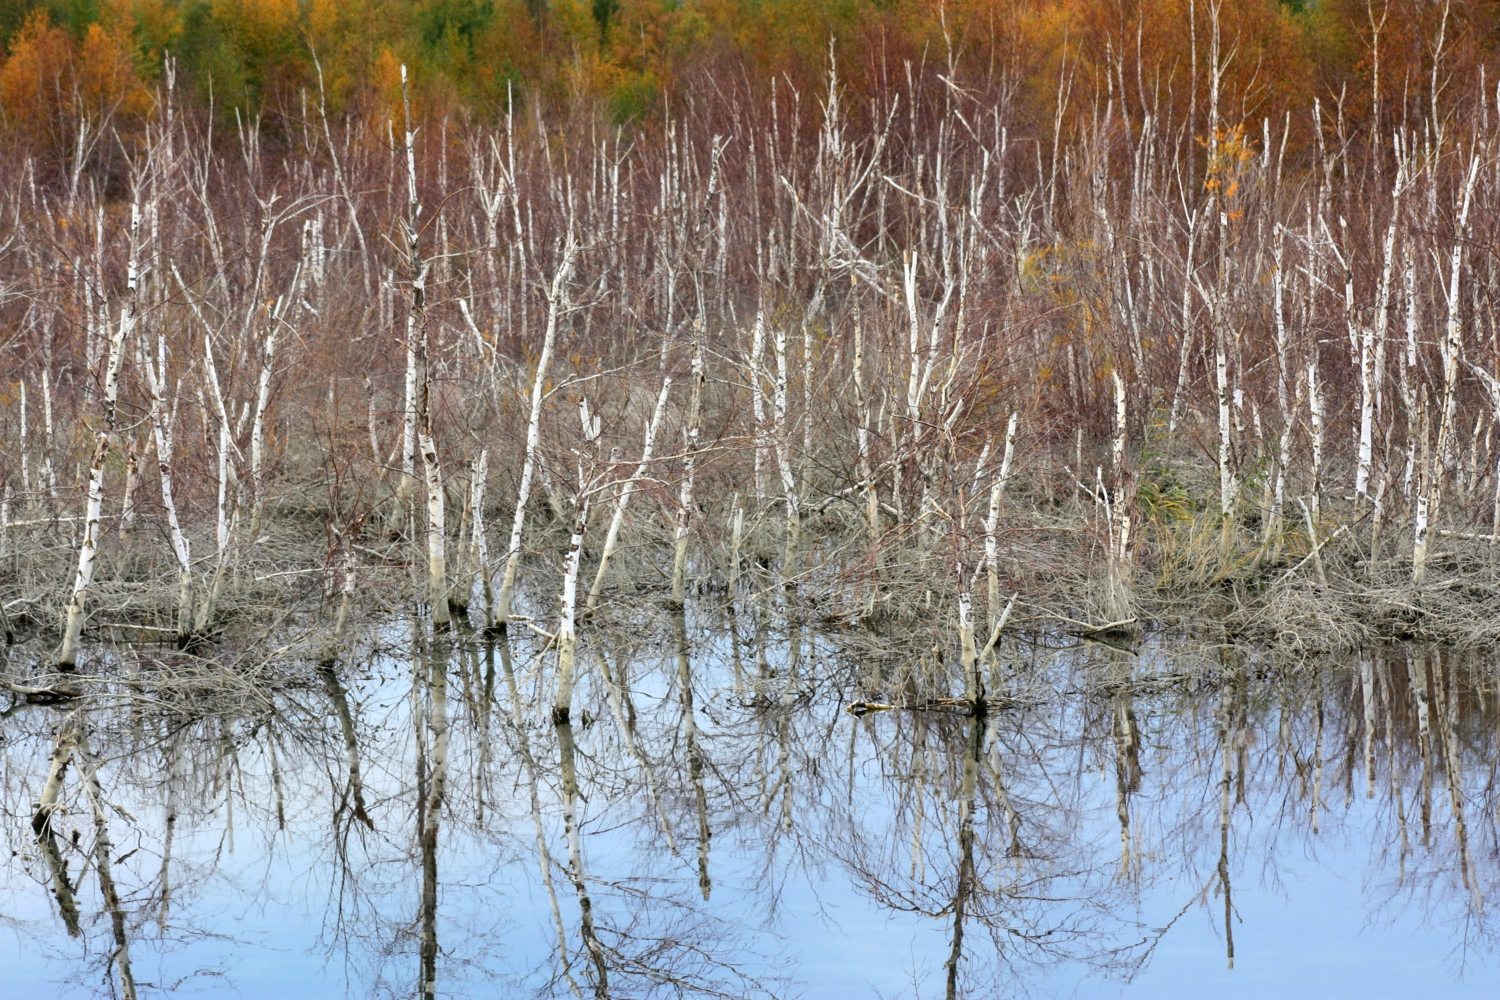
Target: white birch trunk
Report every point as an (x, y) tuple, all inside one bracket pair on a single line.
[(161, 428), (223, 535), (480, 541), (567, 637), (557, 304), (784, 461), (132, 482), (992, 522), (408, 426), (685, 496), (617, 519), (420, 372), (758, 404), (973, 683), (1185, 346), (862, 401), (1315, 410), (1381, 325), (49, 471), (1453, 340), (67, 659), (1419, 539), (25, 450), (1227, 486), (1283, 375), (1119, 528), (263, 399)]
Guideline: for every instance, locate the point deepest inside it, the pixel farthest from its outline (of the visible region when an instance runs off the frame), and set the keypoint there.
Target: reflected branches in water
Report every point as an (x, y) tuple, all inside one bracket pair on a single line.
[(705, 811)]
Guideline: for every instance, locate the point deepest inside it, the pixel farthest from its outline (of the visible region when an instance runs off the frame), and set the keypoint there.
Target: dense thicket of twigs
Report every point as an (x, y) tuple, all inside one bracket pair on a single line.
[(777, 337)]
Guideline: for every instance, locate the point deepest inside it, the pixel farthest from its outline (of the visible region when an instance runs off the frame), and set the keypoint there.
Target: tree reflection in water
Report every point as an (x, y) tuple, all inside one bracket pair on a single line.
[(416, 816)]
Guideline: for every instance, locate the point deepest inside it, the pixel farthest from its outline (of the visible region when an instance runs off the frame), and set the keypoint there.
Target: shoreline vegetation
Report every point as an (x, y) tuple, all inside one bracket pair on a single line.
[(897, 359)]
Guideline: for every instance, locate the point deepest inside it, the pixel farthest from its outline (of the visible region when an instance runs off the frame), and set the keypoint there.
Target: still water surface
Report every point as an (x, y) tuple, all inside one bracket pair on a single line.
[(1114, 825)]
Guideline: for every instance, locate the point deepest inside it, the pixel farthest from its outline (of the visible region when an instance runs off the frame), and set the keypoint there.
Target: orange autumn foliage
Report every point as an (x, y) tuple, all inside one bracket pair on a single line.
[(51, 79), (1053, 60)]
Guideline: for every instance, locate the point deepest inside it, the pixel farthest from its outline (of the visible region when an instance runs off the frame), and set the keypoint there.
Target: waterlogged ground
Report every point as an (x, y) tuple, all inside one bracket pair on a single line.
[(1115, 825)]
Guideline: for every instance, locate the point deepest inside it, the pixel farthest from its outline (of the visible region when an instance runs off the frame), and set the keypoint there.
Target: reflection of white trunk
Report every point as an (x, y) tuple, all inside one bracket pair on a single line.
[(1452, 771), (328, 671), (67, 659), (1127, 776), (1416, 667), (964, 883), (694, 751), (169, 822), (46, 834), (612, 690), (568, 758), (539, 831), (1367, 689), (87, 768), (1226, 810), (995, 766), (437, 781)]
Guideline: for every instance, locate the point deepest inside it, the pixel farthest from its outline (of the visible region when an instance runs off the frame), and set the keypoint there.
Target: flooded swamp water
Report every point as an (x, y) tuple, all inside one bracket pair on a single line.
[(1171, 821)]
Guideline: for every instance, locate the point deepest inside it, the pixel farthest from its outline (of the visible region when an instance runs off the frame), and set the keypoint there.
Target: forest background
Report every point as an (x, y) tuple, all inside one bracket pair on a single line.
[(629, 60)]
